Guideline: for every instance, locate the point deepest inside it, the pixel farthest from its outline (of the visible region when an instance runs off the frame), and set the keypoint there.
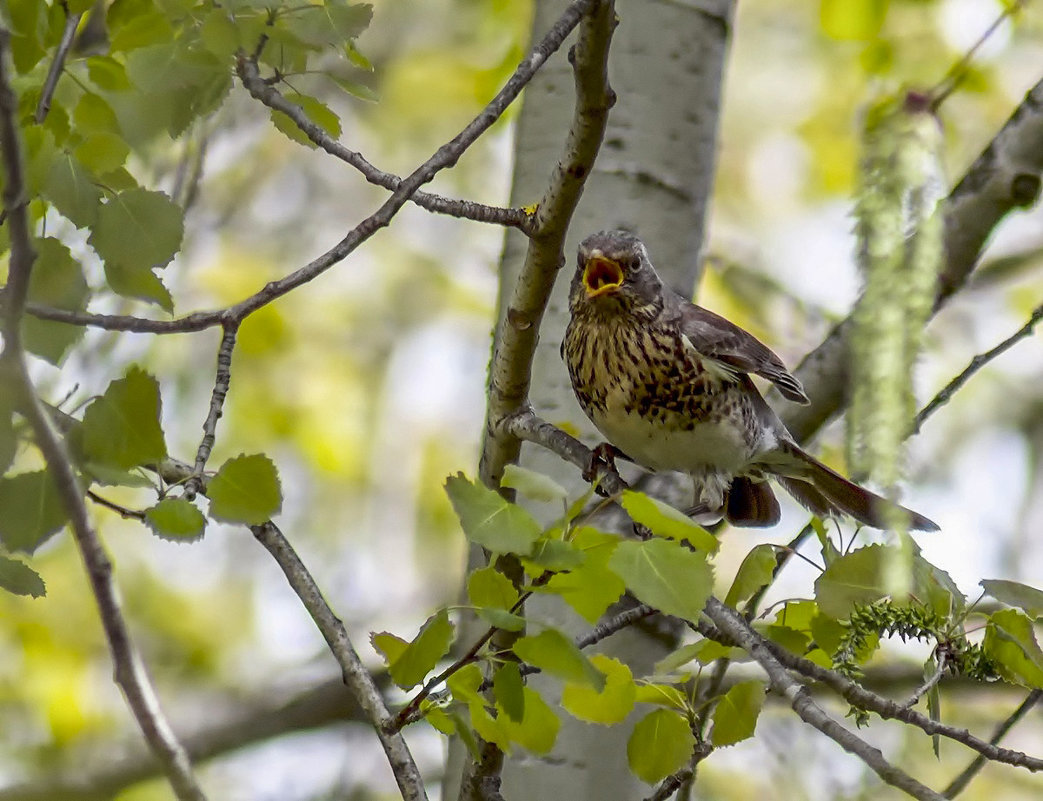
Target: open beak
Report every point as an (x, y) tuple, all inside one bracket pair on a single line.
[(601, 276)]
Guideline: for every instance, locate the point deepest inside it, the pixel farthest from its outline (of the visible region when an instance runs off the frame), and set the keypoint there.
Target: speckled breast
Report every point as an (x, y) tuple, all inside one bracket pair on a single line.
[(654, 401)]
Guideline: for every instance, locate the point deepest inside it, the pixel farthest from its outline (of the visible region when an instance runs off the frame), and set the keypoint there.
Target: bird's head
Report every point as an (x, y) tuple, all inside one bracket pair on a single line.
[(614, 274)]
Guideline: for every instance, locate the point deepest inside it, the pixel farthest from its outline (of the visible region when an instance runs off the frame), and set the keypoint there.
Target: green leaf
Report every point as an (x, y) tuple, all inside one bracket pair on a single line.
[(538, 728), (102, 152), (439, 719), (93, 114), (355, 89), (57, 281), (420, 656), (489, 587), (72, 190), (609, 706), (389, 646), (735, 717), (665, 575), (18, 578), (754, 573), (552, 554), (661, 744), (138, 228), (665, 695), (490, 521), (705, 651), (854, 578), (829, 551), (33, 510), (553, 652), (140, 30), (133, 282), (329, 25), (508, 690), (827, 632), (464, 684), (666, 521), (501, 618), (531, 484), (107, 73), (316, 111), (591, 587), (1013, 593), (8, 438), (115, 477), (121, 428), (175, 519), (245, 490), (1011, 642)]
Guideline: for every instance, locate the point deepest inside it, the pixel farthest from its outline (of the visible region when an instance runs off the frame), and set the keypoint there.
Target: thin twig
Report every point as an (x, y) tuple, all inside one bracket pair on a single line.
[(930, 682), (72, 22), (267, 94), (733, 625), (130, 673), (222, 380), (975, 365), (356, 677), (959, 784), (122, 511)]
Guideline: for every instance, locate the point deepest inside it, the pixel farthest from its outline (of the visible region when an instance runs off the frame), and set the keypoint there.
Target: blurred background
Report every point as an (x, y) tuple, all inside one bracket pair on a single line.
[(367, 385)]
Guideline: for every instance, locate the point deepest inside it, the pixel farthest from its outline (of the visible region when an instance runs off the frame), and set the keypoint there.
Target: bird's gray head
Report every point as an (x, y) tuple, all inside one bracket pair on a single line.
[(614, 274)]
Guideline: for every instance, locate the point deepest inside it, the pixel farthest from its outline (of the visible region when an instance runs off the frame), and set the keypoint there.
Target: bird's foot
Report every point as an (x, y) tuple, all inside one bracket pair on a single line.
[(602, 460)]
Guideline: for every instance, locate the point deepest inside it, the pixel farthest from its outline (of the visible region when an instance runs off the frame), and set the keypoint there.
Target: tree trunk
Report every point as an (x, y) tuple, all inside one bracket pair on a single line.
[(654, 176)]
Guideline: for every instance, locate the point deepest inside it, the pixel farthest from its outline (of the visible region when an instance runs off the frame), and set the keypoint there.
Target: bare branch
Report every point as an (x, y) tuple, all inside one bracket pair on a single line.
[(518, 332), (1005, 177), (267, 94), (975, 365), (959, 784), (930, 682), (217, 400), (72, 22), (130, 672), (733, 625), (356, 677)]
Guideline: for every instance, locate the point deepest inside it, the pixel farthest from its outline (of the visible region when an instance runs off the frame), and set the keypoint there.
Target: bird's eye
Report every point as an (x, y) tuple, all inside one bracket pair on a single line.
[(634, 263)]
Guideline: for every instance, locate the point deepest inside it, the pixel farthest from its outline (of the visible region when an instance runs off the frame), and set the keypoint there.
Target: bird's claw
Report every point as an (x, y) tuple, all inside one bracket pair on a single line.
[(602, 460)]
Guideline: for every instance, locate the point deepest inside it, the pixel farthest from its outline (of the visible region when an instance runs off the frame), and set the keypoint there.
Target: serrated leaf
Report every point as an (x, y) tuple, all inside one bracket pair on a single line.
[(94, 114), (57, 281), (552, 554), (854, 578), (1014, 593), (464, 684), (18, 578), (829, 551), (245, 490), (175, 519), (754, 573), (661, 744), (140, 30), (33, 510), (489, 587), (664, 520), (72, 190), (538, 729), (735, 717), (553, 652), (316, 111), (665, 575), (531, 484), (422, 654), (107, 73), (589, 589), (612, 703), (102, 152), (389, 646), (328, 25), (490, 521), (121, 428), (138, 228), (508, 690), (440, 720), (1011, 642)]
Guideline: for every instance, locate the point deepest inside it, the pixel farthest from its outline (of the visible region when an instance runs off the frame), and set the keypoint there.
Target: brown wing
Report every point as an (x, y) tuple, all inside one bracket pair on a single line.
[(724, 342)]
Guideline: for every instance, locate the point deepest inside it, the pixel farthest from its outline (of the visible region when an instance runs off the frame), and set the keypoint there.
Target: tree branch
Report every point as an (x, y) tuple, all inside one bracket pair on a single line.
[(1005, 177), (975, 365), (130, 673), (356, 677), (518, 332), (733, 625), (72, 22), (267, 94), (222, 381), (959, 784)]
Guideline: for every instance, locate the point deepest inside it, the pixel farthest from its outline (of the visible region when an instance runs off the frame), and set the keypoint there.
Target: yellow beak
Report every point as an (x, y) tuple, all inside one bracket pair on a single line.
[(601, 276)]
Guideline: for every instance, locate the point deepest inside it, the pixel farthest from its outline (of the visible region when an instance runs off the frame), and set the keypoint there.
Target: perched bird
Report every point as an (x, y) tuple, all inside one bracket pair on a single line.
[(668, 385)]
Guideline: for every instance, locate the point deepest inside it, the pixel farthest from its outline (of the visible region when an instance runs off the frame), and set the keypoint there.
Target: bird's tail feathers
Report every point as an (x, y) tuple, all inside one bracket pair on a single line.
[(824, 491)]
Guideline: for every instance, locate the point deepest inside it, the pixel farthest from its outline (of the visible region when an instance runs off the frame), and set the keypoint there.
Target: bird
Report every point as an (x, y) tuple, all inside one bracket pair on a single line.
[(668, 384)]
